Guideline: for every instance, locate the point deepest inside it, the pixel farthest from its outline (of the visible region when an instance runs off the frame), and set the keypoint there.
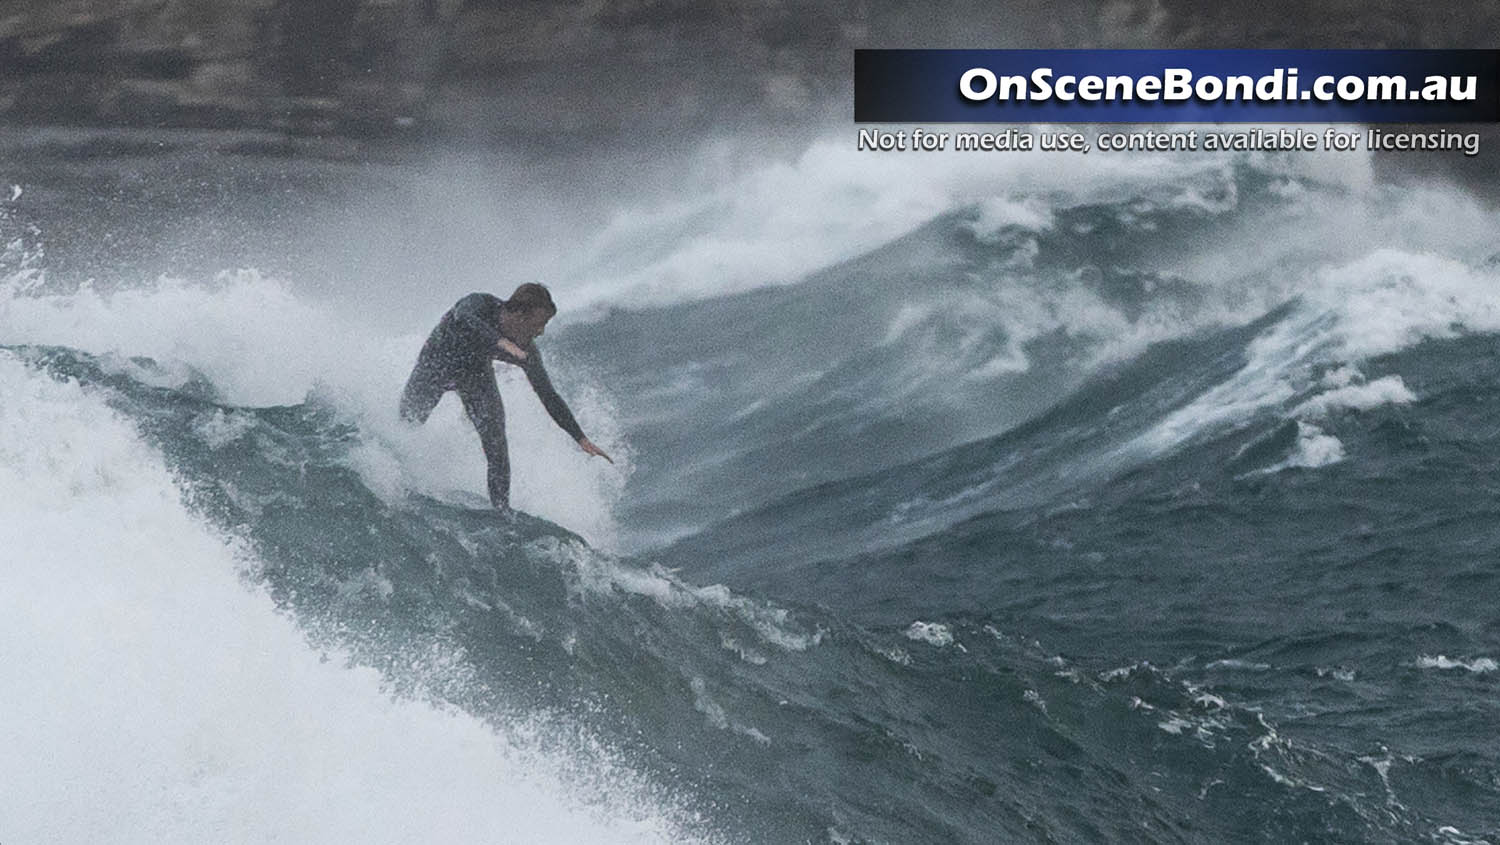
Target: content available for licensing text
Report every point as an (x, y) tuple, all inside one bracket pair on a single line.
[(1021, 140)]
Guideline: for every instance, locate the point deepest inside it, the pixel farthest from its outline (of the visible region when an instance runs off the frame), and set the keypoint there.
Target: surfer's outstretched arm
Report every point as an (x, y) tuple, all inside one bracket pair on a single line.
[(556, 407)]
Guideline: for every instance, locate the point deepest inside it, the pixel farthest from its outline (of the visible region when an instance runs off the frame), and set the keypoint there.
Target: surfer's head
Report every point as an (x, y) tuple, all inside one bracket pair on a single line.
[(530, 297), (527, 312)]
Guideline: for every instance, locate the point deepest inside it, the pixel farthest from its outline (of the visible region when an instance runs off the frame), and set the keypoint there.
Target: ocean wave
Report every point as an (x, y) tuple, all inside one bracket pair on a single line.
[(221, 715)]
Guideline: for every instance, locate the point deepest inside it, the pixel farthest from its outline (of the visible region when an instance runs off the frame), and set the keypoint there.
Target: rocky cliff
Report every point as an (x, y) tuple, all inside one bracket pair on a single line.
[(492, 68)]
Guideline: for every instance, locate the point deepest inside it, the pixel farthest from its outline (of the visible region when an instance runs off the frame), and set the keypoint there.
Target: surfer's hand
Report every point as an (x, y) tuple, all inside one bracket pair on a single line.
[(510, 346), (587, 445)]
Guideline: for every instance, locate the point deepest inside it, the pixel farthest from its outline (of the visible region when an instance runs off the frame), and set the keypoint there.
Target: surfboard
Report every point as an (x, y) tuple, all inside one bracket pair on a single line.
[(464, 499), (475, 511)]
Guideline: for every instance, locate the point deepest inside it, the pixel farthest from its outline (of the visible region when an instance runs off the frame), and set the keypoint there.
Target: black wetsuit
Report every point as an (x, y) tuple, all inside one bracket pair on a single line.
[(457, 356)]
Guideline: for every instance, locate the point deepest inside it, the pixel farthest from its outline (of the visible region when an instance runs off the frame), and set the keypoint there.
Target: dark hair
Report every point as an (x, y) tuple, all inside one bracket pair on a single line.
[(531, 296)]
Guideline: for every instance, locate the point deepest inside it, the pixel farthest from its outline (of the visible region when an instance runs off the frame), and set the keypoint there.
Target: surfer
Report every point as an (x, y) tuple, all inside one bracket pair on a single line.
[(479, 329)]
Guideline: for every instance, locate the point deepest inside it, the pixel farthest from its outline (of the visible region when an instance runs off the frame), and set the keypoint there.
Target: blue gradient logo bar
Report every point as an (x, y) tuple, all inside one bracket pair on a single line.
[(1176, 86)]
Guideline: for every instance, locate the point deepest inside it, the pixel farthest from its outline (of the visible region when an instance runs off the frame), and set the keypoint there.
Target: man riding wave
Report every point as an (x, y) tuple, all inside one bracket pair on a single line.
[(458, 355)]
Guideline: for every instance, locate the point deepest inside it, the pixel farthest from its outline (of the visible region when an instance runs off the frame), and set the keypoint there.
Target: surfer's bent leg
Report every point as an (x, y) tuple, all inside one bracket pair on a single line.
[(482, 403), (426, 386)]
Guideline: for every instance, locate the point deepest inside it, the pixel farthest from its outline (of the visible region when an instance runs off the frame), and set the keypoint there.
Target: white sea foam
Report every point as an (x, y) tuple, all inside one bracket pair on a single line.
[(932, 633), (1478, 665), (747, 654), (219, 429), (996, 214), (1314, 449), (776, 224), (1377, 304), (896, 654), (1389, 390), (1235, 664), (1122, 672), (1209, 700), (1450, 835), (599, 573), (150, 696), (1035, 699)]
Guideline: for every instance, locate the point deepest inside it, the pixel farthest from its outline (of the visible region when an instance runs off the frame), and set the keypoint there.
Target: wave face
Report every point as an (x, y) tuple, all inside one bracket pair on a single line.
[(1148, 662), (661, 701), (1294, 540), (996, 309), (1135, 504)]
